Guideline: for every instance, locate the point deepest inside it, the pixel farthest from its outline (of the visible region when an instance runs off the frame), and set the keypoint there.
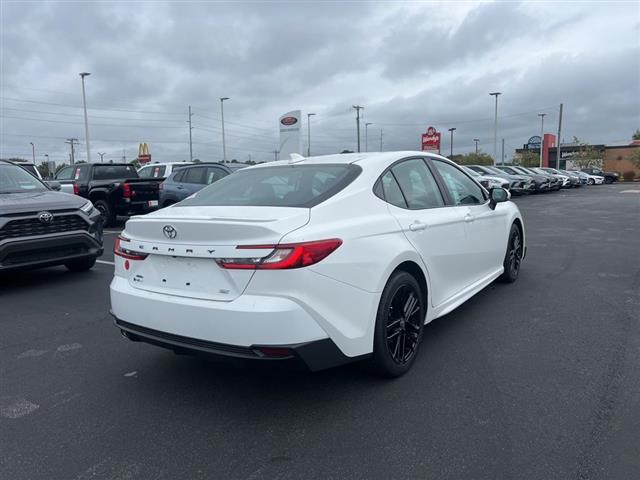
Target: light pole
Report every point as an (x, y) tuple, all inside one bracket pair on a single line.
[(366, 136), (102, 156), (495, 128), (86, 121), (476, 140), (224, 145), (358, 108), (33, 152), (452, 129), (541, 115), (309, 115)]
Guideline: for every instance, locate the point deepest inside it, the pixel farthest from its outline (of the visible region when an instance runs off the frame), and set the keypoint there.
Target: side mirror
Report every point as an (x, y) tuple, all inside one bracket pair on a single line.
[(498, 195), (53, 185)]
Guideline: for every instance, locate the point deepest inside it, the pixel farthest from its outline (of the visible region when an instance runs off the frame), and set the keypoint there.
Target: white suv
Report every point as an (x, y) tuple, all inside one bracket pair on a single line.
[(160, 170)]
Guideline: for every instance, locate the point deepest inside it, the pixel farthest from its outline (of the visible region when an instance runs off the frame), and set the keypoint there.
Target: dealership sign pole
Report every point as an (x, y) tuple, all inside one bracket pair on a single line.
[(290, 139)]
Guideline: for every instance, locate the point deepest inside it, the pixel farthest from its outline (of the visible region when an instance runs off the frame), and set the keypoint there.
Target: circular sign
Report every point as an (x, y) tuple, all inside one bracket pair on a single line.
[(289, 121), (536, 140), (431, 131)]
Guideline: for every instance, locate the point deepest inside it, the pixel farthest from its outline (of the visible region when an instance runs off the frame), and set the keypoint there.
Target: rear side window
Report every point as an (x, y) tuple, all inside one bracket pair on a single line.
[(213, 174), (114, 172), (418, 185), (194, 175), (283, 186), (391, 192), (463, 190), (65, 173)]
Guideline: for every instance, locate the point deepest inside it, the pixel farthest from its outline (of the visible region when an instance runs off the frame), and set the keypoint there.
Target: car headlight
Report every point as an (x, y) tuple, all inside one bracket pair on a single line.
[(495, 184), (87, 207)]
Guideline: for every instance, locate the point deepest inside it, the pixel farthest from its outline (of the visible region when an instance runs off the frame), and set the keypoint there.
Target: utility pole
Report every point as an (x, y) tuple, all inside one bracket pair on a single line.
[(380, 139), (503, 152), (559, 137), (309, 115), (86, 121), (541, 115), (190, 142), (33, 152), (476, 140), (495, 129), (224, 145), (102, 156), (358, 108), (72, 142), (451, 130), (275, 155), (366, 136)]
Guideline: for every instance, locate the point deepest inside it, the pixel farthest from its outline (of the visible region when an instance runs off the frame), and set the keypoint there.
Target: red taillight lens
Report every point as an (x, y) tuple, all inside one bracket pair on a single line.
[(283, 256), (127, 192), (76, 190), (122, 251)]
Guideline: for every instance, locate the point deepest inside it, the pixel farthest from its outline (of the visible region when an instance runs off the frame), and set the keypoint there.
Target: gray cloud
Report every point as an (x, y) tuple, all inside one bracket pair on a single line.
[(409, 65)]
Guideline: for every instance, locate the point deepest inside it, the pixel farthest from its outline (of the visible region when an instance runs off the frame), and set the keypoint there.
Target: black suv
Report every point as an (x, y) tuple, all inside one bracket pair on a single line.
[(41, 227)]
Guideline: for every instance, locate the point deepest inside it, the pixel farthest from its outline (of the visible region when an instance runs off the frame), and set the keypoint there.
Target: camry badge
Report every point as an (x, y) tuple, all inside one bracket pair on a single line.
[(169, 231), (45, 217)]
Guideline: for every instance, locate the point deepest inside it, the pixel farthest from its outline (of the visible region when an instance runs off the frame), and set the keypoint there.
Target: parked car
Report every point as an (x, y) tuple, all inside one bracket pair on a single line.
[(486, 181), (41, 227), (190, 179), (303, 260), (576, 179), (555, 180), (160, 170), (566, 179), (589, 179), (518, 184), (609, 177), (563, 180), (114, 188), (540, 183)]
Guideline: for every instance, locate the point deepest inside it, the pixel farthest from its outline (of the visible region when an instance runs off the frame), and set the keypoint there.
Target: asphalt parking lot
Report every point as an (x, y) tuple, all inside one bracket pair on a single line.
[(539, 379)]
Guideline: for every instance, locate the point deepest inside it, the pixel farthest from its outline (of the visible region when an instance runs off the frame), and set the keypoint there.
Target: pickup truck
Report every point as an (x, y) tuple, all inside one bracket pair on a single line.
[(114, 188), (609, 177)]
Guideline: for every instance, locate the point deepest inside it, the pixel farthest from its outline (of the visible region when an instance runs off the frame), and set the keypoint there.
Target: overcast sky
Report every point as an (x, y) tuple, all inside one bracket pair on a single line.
[(410, 64)]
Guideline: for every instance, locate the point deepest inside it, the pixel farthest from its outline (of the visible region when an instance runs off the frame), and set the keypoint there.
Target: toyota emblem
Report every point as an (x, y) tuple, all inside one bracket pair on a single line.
[(45, 217), (169, 231)]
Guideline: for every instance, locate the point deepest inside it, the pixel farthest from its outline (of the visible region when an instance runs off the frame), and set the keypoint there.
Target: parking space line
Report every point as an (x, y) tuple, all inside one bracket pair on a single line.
[(105, 262)]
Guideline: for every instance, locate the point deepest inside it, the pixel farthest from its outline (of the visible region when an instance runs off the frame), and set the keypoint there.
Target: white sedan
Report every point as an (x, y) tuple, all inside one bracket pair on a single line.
[(322, 260)]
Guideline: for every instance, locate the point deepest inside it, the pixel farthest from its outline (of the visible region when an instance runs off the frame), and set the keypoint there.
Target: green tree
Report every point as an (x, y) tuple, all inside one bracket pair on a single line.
[(586, 156), (636, 135), (635, 157), (346, 151), (527, 158), (473, 158)]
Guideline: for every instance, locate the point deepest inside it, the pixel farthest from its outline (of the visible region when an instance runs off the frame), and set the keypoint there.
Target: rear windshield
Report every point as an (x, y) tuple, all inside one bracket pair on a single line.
[(281, 186), (152, 171), (114, 172)]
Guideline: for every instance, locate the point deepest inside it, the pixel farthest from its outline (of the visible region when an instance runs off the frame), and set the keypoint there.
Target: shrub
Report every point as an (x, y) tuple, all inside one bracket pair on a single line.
[(629, 175)]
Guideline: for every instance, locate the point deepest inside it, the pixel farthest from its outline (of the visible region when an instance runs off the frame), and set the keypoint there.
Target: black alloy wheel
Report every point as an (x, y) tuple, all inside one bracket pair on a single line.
[(399, 325), (513, 257)]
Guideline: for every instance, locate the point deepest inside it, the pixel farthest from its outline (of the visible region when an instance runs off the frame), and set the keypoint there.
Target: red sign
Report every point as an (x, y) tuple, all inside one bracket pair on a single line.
[(143, 153), (431, 140)]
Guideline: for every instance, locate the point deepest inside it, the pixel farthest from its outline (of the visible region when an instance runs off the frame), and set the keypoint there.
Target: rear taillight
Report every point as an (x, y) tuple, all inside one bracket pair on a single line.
[(120, 249), (127, 192), (283, 256), (76, 190)]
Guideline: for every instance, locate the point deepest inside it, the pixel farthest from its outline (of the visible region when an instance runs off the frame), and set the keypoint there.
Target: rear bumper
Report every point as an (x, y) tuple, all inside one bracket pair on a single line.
[(127, 209), (48, 250), (315, 355)]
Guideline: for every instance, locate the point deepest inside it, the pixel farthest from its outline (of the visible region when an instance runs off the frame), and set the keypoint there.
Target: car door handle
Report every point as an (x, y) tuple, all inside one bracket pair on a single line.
[(416, 226), (179, 187), (468, 218)]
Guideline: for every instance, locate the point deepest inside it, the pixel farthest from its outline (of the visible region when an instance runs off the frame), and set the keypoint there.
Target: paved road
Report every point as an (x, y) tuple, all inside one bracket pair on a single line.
[(538, 380)]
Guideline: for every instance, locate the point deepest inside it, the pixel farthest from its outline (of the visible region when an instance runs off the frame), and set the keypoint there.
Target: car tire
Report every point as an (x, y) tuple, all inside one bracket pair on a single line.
[(591, 181), (513, 256), (608, 180), (81, 265), (107, 212), (399, 326)]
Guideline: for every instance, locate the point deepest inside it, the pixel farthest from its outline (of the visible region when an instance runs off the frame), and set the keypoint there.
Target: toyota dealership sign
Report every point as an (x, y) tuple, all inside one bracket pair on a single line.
[(431, 140), (290, 138)]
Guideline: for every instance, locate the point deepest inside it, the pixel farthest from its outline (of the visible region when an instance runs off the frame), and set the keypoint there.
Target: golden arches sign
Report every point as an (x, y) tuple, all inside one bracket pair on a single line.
[(143, 149)]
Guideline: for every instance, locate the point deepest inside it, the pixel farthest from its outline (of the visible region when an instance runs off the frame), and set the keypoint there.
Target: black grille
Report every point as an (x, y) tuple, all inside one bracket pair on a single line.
[(29, 227), (178, 340), (44, 254)]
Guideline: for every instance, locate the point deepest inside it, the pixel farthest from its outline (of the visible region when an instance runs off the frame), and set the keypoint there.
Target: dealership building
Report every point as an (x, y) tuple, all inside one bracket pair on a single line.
[(615, 157)]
